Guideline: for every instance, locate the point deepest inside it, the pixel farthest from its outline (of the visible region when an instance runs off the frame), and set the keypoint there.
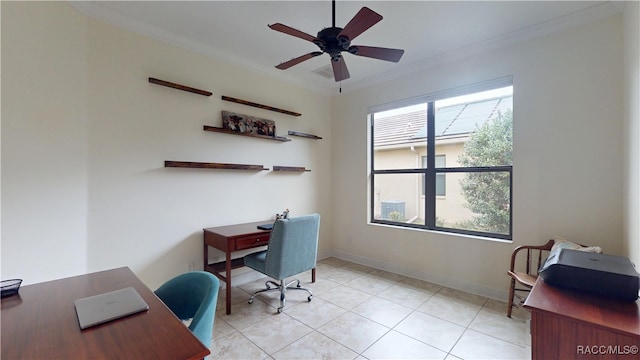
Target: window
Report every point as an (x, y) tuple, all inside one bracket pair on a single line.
[(441, 180), (444, 161)]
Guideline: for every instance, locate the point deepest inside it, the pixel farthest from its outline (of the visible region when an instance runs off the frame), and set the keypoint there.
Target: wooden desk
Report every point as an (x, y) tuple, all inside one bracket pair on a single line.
[(567, 324), (41, 323), (232, 238)]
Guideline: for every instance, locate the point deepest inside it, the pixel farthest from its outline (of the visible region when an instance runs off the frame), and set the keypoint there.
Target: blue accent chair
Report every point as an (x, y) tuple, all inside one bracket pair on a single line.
[(193, 295), (292, 249)]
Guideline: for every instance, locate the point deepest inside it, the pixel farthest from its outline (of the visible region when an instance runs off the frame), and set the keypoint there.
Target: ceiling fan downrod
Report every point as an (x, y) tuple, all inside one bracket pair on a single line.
[(333, 13)]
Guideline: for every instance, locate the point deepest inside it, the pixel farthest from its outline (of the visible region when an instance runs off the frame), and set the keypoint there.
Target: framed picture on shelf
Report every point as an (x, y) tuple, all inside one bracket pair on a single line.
[(248, 124)]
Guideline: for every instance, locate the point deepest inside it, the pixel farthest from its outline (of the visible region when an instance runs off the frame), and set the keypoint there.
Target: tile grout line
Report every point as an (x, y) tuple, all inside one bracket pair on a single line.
[(358, 273)]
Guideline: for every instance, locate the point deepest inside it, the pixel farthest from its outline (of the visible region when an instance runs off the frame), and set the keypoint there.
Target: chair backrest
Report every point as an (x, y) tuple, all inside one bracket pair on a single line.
[(535, 256), (293, 246), (193, 295)]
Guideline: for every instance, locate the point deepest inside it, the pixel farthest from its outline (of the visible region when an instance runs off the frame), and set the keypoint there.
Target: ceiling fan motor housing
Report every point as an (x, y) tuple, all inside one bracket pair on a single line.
[(330, 43)]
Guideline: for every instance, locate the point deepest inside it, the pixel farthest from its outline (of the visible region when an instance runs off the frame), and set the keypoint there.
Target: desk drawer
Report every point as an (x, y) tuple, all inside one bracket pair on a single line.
[(255, 240)]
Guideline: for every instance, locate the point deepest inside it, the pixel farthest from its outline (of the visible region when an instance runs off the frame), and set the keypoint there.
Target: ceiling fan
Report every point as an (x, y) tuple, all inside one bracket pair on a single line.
[(335, 40)]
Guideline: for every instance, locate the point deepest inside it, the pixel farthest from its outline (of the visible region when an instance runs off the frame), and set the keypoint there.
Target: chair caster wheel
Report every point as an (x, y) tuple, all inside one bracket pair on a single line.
[(250, 301), (279, 310), (309, 298)]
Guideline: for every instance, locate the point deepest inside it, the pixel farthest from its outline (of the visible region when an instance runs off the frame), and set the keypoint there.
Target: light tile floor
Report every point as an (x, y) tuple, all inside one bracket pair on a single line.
[(361, 313)]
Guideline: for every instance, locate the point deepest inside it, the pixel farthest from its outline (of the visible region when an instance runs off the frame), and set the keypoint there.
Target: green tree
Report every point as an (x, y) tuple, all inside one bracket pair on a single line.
[(487, 193)]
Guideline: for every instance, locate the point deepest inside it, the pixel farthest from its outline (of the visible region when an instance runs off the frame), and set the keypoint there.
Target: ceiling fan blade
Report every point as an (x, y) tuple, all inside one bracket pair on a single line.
[(364, 19), (293, 32), (386, 54), (287, 64), (340, 71)]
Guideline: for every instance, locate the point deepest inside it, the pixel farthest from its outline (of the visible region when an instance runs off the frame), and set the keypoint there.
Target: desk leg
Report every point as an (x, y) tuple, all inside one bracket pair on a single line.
[(313, 275), (228, 281), (205, 257)]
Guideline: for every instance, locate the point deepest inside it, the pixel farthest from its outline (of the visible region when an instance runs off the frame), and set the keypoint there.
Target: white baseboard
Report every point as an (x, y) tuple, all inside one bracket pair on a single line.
[(498, 294), (245, 275), (242, 276)]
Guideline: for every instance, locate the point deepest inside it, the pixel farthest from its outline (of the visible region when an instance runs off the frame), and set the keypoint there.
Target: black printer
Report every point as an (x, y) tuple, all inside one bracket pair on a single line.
[(600, 274)]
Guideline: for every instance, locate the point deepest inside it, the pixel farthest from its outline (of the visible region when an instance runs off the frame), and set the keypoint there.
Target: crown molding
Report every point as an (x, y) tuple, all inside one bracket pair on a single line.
[(598, 11), (99, 12)]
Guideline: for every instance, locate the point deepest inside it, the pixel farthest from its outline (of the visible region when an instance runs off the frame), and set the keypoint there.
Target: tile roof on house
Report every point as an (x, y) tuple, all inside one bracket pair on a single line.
[(460, 119)]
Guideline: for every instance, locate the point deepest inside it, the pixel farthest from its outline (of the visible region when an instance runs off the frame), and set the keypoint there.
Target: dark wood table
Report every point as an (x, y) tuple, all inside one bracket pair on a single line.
[(568, 324), (41, 323), (229, 239)]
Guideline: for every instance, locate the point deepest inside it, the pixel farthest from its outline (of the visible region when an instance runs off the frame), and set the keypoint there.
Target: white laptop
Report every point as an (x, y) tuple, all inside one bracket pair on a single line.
[(98, 309)]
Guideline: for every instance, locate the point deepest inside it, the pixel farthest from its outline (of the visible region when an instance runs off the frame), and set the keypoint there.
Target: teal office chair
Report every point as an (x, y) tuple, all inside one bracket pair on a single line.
[(292, 249), (193, 295)]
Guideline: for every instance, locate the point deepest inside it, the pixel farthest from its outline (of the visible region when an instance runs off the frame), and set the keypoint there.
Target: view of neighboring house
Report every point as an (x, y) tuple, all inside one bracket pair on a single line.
[(400, 142)]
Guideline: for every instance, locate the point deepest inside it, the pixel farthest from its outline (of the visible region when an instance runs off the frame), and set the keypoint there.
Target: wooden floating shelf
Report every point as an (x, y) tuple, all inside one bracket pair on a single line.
[(225, 131), (266, 107), (290, 168), (308, 136), (202, 165), (179, 87)]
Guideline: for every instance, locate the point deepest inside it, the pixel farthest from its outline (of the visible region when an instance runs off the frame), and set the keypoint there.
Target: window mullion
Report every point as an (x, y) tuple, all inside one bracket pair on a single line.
[(372, 197), (430, 176)]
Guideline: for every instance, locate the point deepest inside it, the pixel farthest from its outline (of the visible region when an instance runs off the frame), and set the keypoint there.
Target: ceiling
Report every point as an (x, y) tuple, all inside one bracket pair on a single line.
[(430, 32)]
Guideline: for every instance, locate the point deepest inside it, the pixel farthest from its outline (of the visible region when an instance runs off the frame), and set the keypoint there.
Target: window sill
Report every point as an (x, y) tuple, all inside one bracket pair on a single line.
[(443, 233)]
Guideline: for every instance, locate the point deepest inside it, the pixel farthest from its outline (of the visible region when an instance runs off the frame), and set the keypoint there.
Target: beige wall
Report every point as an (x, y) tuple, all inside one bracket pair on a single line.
[(451, 207), (85, 137), (45, 126), (632, 131), (567, 158), (408, 187)]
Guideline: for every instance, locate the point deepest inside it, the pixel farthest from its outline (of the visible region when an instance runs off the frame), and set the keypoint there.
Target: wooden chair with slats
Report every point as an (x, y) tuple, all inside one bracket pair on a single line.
[(525, 263)]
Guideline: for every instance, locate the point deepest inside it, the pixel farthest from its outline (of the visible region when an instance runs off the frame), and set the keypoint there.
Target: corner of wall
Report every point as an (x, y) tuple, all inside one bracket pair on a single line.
[(631, 23)]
